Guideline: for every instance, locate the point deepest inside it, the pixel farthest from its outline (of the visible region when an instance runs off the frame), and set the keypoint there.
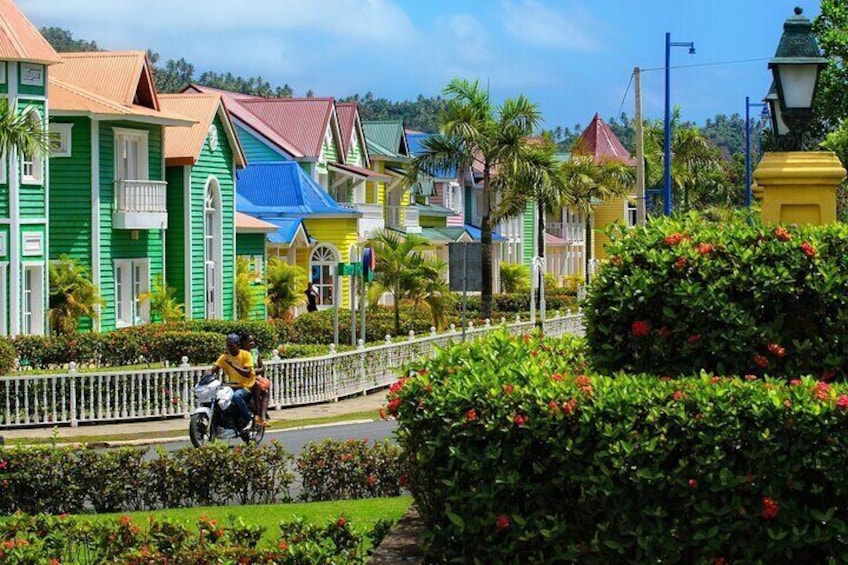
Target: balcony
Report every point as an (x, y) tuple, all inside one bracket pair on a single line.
[(140, 205), (573, 232), (371, 221), (404, 218)]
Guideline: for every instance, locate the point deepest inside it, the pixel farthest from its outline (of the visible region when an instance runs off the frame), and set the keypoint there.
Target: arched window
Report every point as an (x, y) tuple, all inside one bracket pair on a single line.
[(322, 268), (213, 250), (31, 162)]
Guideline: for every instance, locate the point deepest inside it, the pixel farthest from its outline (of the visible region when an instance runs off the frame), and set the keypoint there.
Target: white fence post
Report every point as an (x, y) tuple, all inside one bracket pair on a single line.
[(184, 376), (72, 376)]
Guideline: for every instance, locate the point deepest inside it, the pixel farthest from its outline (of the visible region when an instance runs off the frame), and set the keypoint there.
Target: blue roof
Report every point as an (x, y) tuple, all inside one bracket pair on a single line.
[(474, 232), (415, 141), (283, 188), (288, 229)]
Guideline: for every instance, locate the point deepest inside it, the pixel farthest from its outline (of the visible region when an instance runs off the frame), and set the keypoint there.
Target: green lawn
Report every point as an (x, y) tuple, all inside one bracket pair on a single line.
[(360, 514)]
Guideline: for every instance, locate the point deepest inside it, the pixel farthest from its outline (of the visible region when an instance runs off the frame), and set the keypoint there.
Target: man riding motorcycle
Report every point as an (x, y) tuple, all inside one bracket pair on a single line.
[(237, 364)]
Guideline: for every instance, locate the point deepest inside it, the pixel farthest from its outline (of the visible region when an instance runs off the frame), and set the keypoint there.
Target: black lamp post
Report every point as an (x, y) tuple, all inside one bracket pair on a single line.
[(796, 66)]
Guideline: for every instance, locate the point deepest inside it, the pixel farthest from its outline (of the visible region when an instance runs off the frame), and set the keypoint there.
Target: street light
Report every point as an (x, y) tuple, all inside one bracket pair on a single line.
[(667, 155), (778, 126), (764, 115), (796, 66)]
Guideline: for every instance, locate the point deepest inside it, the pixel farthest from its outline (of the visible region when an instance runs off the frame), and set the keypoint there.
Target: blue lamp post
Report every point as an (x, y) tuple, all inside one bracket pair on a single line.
[(667, 156), (764, 115)]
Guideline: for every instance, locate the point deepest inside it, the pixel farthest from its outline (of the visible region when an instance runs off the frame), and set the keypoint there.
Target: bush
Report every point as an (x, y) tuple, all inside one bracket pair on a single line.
[(337, 470), (518, 303), (317, 327), (683, 294), (528, 460), (264, 333), (7, 356)]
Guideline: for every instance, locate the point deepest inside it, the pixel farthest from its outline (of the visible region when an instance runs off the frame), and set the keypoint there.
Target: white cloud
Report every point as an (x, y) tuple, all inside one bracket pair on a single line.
[(531, 21)]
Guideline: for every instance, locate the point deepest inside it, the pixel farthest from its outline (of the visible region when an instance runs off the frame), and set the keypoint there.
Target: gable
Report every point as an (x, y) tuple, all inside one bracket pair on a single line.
[(256, 149)]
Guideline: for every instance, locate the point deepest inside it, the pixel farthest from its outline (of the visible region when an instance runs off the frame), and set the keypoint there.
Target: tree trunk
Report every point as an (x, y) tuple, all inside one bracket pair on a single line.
[(397, 309), (486, 244), (587, 247)]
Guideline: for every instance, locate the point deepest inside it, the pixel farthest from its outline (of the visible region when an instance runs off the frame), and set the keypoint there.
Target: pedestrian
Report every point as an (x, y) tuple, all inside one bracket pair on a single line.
[(311, 298)]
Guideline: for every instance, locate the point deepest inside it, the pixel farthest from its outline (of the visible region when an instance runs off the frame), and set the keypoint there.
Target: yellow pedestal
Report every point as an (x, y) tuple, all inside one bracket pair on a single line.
[(799, 187)]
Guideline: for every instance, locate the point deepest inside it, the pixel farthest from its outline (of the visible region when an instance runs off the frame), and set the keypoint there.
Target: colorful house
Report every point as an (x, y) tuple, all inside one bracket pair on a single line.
[(24, 210), (389, 152), (314, 232), (252, 246), (599, 142), (201, 163), (108, 193)]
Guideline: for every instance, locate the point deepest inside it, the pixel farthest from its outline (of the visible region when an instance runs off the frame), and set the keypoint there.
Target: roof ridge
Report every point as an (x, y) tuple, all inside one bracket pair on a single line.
[(93, 54)]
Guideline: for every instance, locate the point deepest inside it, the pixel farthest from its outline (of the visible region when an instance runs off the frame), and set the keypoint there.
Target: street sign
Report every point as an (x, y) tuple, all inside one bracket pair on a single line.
[(465, 260), (369, 263)]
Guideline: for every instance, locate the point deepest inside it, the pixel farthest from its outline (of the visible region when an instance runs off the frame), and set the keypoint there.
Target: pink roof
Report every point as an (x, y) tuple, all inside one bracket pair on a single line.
[(551, 239), (347, 117), (303, 122), (248, 224), (599, 141)]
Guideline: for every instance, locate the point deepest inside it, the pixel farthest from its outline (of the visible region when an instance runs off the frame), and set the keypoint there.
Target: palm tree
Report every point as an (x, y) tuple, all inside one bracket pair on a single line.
[(477, 133), (398, 265), (18, 131), (245, 297), (285, 287), (585, 181), (72, 295)]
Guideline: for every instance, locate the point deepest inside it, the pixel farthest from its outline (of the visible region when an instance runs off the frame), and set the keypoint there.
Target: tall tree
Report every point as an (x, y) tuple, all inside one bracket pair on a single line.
[(831, 29), (19, 132), (476, 133), (63, 40)]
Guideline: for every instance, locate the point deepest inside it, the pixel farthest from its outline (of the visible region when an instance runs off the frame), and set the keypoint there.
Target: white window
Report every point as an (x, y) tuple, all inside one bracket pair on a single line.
[(60, 140), (2, 73), (31, 163), (322, 267), (212, 136), (213, 251), (33, 243), (130, 154), (32, 304), (132, 280), (3, 249), (256, 265), (32, 74), (630, 213)]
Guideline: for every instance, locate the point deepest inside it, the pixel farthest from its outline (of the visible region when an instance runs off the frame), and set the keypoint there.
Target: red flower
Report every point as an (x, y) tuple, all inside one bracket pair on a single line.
[(795, 382), (570, 406), (3, 464), (396, 386), (828, 375), (693, 484), (346, 457), (694, 338), (750, 378), (519, 420), (776, 350), (402, 480), (393, 406), (781, 234), (705, 248), (673, 239), (342, 522), (770, 508), (471, 415), (582, 381), (721, 561), (760, 361), (382, 414), (616, 261), (678, 395), (680, 264), (508, 389), (640, 328), (715, 380), (372, 479), (842, 401), (556, 377), (822, 390), (502, 521), (283, 545), (553, 406), (422, 372), (808, 249), (664, 332)]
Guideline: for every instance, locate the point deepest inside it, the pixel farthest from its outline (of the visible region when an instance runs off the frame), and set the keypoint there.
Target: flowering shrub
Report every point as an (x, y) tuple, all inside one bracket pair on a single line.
[(55, 540), (516, 454), (56, 480), (683, 294), (336, 470)]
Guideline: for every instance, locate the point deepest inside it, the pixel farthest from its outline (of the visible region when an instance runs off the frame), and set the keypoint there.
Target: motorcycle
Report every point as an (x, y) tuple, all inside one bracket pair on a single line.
[(215, 417)]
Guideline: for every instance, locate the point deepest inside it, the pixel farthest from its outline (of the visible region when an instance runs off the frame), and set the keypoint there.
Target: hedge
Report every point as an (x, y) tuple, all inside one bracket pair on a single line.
[(528, 459), (736, 297), (519, 303)]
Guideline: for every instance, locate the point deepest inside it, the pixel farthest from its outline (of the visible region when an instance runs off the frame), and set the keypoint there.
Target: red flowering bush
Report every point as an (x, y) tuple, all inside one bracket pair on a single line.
[(763, 300), (630, 469)]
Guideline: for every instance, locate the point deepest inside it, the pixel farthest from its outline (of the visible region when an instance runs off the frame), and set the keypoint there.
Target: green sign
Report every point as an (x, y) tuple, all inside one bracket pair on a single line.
[(350, 269)]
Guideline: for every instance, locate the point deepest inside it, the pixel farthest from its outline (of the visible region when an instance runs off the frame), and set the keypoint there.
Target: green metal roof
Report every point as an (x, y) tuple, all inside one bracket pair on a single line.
[(385, 137), (433, 210), (449, 235)]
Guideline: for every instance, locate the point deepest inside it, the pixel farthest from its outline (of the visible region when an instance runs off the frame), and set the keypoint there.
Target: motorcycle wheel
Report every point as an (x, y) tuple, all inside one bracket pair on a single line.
[(255, 435), (199, 430)]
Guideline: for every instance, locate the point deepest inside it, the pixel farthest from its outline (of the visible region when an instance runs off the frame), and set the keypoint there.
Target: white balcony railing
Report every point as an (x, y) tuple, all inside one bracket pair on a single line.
[(573, 232), (403, 217), (140, 204)]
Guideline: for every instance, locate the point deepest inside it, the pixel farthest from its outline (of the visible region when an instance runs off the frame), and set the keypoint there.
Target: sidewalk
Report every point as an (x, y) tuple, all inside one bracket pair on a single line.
[(155, 431)]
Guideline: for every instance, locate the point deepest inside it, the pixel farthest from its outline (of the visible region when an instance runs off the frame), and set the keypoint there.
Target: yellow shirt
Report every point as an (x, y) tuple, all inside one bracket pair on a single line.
[(244, 360)]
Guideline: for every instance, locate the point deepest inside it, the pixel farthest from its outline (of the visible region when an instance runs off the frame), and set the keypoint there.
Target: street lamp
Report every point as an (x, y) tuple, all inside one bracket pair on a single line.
[(764, 115), (796, 66), (667, 155), (778, 126)]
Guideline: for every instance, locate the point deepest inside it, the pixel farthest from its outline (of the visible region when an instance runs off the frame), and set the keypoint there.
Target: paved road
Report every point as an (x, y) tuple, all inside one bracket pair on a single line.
[(294, 440)]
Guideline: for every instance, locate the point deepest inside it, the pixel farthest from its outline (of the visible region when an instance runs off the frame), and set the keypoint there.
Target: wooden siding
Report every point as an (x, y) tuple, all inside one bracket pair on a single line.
[(70, 196), (252, 246), (175, 235), (341, 233), (256, 150), (355, 154), (527, 242), (120, 244), (606, 214)]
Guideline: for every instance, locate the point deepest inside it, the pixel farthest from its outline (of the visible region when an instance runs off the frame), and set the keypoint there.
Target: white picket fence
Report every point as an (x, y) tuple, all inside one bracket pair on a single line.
[(73, 398)]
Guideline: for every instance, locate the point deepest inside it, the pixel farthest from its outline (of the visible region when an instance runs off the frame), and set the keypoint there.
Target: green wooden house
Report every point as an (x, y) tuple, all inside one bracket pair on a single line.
[(108, 193), (201, 161), (24, 61)]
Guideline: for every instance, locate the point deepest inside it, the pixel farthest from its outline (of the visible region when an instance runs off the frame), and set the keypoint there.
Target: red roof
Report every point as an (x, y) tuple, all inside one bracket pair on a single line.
[(599, 141), (303, 122), (347, 117)]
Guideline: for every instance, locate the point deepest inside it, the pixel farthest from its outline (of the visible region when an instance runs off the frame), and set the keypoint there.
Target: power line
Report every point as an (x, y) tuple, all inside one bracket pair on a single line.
[(709, 64), (623, 98)]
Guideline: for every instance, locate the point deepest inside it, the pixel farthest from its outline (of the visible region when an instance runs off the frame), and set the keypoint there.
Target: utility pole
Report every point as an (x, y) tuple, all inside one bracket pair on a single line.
[(640, 150)]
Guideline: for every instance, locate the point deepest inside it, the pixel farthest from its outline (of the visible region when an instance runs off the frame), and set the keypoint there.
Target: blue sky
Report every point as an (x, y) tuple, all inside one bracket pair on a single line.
[(572, 57)]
